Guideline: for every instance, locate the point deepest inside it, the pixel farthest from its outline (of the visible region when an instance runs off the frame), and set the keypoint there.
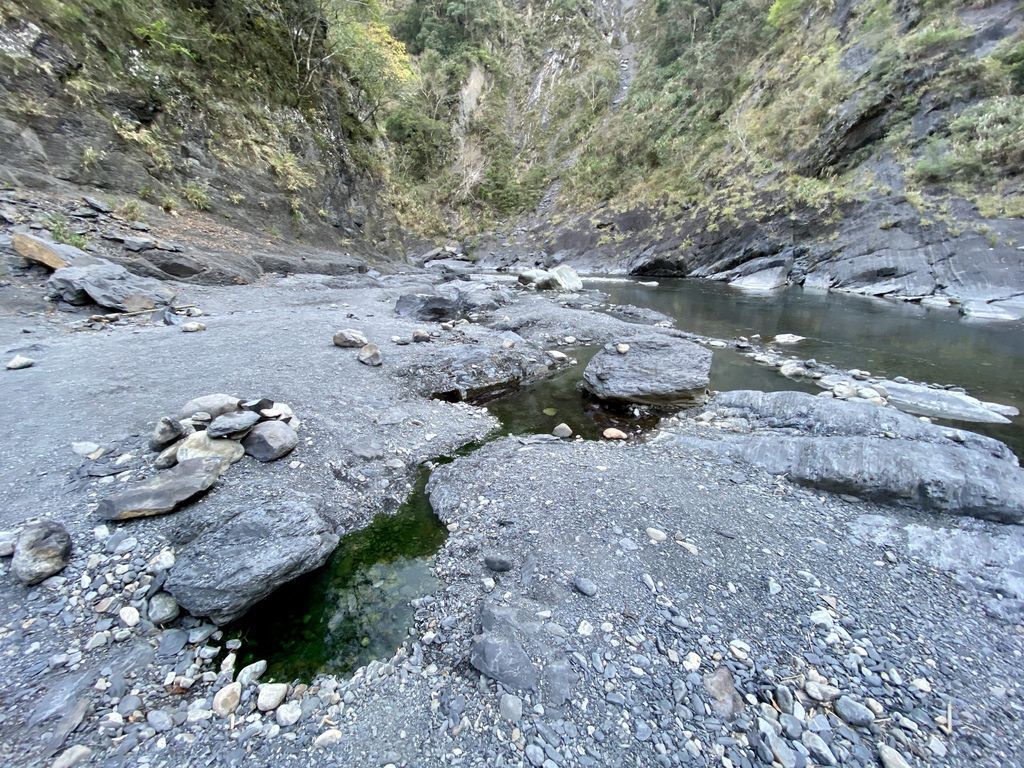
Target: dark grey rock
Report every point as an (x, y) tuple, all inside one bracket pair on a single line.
[(498, 563), (109, 285), (163, 493), (223, 572), (233, 424), (978, 476), (270, 440), (658, 370), (497, 654), (43, 549), (428, 306), (853, 712)]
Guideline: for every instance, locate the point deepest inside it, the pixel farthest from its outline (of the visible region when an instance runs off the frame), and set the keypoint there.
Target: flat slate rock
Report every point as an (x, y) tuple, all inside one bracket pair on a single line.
[(109, 285), (163, 493), (658, 369), (232, 423), (223, 572)]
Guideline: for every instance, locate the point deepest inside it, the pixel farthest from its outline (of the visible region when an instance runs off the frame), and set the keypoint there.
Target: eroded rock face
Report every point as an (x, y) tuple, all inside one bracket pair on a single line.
[(42, 550), (163, 493), (657, 369), (108, 285), (876, 453), (223, 572)]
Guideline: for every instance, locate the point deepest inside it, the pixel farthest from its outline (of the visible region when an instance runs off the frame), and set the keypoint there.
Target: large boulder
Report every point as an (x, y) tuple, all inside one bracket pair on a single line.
[(876, 453), (163, 493), (933, 477), (222, 573), (472, 371), (108, 285), (656, 369), (428, 306), (43, 549)]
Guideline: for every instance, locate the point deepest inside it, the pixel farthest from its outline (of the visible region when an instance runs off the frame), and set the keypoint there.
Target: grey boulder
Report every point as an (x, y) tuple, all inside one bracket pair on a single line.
[(109, 285), (871, 452), (222, 573), (270, 441), (163, 493), (428, 306), (658, 369), (349, 337), (42, 550)]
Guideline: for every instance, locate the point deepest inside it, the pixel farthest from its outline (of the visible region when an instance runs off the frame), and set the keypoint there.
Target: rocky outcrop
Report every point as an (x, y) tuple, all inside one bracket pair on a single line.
[(223, 572), (110, 286), (656, 369), (860, 449)]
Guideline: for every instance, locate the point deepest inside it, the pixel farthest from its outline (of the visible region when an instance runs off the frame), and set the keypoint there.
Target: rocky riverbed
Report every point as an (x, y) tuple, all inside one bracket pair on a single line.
[(675, 599)]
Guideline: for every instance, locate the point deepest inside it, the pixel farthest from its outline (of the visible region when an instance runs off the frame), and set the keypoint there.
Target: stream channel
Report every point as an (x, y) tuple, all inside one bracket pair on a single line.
[(358, 606)]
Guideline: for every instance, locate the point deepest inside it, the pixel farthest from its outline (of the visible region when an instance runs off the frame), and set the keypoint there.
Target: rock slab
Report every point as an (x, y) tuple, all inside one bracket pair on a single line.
[(223, 572), (163, 493), (658, 369)]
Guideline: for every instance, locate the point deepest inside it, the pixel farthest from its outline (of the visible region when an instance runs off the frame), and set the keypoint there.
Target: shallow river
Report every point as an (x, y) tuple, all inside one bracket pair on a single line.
[(357, 607)]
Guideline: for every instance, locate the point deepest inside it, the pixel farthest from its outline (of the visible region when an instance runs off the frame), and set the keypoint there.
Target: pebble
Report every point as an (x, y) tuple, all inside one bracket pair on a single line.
[(498, 563), (159, 720), (614, 434), (129, 615), (18, 362), (622, 348), (328, 738), (371, 355), (193, 327), (535, 755), (251, 673), (288, 714), (585, 586), (511, 707), (271, 696), (890, 758), (853, 712), (656, 535), (163, 608), (562, 430), (72, 756), (226, 700)]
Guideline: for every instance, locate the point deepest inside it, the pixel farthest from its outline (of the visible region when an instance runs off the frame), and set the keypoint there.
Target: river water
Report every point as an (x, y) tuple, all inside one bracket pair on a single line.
[(887, 338), (357, 607)]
